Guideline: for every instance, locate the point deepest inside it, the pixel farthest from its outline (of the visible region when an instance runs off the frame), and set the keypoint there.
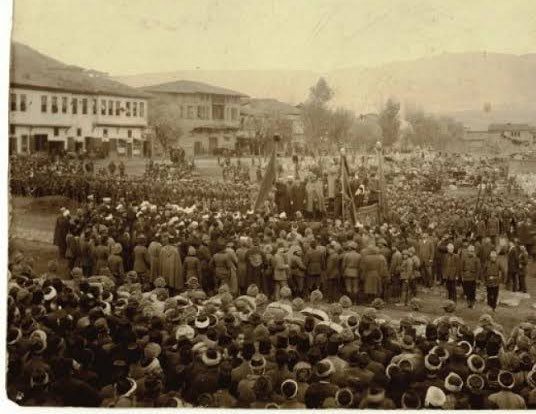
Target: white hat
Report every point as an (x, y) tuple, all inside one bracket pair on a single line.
[(283, 215), (453, 382), (435, 398), (66, 213), (184, 331), (50, 294), (106, 200)]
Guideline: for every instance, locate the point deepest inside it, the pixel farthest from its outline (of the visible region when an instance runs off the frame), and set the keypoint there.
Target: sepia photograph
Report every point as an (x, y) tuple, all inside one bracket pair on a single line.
[(308, 204)]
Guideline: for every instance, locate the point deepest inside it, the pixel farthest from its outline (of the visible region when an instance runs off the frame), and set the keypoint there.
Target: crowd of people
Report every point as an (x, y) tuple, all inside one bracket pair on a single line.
[(177, 302), (39, 177)]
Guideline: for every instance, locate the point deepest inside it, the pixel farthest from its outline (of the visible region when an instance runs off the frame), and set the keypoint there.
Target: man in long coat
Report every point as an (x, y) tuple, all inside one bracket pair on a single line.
[(153, 252), (170, 265), (60, 232), (373, 271)]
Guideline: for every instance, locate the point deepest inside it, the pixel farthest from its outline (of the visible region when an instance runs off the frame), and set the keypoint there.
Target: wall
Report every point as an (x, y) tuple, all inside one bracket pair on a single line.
[(187, 142), (77, 126), (179, 105)]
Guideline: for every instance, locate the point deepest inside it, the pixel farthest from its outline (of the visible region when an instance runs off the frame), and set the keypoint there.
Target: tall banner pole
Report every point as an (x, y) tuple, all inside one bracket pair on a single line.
[(379, 149), (343, 187)]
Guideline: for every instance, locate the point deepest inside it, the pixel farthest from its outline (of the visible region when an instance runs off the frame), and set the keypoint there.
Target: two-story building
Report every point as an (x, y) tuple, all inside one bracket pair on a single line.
[(504, 138), (55, 107), (517, 133), (208, 116)]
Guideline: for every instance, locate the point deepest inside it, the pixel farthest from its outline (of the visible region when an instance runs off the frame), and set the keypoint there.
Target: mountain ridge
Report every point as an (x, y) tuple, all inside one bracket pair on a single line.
[(442, 84)]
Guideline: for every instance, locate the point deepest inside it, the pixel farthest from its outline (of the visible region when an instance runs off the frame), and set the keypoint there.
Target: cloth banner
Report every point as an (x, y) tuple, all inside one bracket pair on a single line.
[(368, 216), (267, 183)]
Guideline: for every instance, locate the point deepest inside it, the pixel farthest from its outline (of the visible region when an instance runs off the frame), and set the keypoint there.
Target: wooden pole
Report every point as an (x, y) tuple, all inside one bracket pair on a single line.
[(343, 206), (381, 195)]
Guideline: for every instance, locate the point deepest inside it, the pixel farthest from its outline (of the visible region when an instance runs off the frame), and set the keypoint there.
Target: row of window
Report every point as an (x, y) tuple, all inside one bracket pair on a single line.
[(61, 104), (202, 112), (78, 131)]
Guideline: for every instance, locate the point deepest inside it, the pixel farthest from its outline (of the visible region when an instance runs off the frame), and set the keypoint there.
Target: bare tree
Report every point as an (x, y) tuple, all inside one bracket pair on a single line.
[(389, 122), (164, 120)]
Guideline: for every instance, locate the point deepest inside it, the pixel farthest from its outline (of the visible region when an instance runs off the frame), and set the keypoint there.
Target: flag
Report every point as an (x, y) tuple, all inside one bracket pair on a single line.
[(345, 188), (267, 182)]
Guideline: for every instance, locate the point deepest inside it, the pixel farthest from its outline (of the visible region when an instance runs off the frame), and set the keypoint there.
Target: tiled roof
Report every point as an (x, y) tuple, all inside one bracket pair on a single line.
[(269, 106), (30, 68), (509, 127), (190, 87)]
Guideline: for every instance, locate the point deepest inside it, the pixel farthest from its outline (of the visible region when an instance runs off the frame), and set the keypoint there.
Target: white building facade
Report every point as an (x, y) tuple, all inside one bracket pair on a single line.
[(48, 120)]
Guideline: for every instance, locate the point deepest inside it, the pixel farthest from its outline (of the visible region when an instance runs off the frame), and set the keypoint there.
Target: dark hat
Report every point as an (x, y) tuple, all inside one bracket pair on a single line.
[(453, 382), (344, 397), (407, 343), (410, 401), (324, 368), (506, 380), (289, 389), (376, 394), (392, 370), (257, 363), (432, 362), (475, 382), (476, 364), (211, 357)]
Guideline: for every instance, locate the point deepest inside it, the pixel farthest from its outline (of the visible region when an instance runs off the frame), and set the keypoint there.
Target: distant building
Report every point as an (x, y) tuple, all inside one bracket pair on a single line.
[(517, 133), (208, 116), (55, 107), (500, 138), (261, 117)]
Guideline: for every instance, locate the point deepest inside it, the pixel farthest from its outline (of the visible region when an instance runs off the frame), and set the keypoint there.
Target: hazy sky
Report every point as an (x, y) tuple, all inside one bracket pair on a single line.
[(138, 36)]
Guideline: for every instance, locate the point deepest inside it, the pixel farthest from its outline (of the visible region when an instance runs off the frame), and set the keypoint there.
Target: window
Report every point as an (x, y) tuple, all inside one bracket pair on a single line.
[(94, 106), (117, 108), (56, 131), (129, 133), (11, 129), (217, 112), (134, 109), (84, 106), (13, 101), (191, 110), (78, 132), (24, 143), (103, 107), (142, 109), (201, 112), (128, 108), (181, 115), (74, 106), (23, 103), (64, 104), (54, 104), (110, 107), (105, 133), (234, 114), (44, 103)]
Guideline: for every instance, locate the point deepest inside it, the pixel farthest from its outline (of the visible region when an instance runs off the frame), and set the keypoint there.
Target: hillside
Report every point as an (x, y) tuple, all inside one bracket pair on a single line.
[(445, 84)]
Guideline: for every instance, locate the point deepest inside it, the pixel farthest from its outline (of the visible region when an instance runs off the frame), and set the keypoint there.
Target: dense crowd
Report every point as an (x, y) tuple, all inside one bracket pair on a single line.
[(77, 180), (183, 303)]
